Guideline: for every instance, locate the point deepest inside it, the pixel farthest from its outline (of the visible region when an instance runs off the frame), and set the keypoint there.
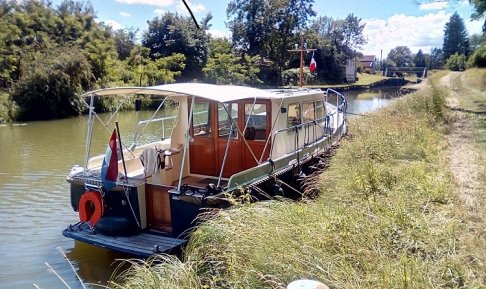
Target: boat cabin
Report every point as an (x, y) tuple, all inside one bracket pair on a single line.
[(217, 140)]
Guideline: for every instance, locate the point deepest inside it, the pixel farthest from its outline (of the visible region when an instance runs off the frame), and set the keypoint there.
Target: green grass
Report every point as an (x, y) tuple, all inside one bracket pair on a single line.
[(387, 217), (367, 79), (472, 90), (364, 79)]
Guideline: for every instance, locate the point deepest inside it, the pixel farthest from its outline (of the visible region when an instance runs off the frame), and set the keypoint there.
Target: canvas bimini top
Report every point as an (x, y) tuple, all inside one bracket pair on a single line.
[(219, 93)]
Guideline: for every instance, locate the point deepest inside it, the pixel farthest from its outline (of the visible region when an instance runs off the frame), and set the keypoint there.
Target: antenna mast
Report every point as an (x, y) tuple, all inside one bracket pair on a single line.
[(302, 49)]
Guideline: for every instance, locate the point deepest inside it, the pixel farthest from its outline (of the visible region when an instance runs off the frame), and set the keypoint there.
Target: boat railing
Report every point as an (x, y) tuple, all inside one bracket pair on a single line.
[(341, 102), (161, 119), (322, 123), (327, 123)]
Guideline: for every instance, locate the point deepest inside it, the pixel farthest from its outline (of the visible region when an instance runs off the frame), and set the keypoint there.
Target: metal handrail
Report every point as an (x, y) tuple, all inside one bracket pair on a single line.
[(297, 127), (340, 107), (156, 119)]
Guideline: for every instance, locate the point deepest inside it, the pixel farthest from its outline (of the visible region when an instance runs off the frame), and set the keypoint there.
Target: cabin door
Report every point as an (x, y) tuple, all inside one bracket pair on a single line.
[(255, 148), (202, 148), (217, 141), (229, 138)]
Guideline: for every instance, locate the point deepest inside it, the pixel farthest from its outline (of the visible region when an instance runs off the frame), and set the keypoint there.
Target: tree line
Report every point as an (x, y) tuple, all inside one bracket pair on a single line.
[(457, 53), (49, 55)]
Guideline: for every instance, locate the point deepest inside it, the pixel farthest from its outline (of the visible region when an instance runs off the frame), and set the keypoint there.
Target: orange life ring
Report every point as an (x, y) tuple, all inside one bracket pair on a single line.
[(90, 207)]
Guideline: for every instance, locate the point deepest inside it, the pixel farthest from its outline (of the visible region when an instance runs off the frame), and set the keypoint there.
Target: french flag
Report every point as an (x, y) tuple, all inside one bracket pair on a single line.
[(313, 64), (109, 169)]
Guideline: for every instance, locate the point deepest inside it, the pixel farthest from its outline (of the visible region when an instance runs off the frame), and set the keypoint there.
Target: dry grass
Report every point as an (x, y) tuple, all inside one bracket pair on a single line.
[(160, 272)]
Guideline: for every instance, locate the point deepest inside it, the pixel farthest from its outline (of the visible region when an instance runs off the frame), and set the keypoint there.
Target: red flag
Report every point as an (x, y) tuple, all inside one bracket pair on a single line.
[(109, 169), (313, 64)]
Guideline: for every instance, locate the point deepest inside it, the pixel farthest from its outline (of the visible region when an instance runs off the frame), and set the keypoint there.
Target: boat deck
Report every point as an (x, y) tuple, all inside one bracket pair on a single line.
[(200, 181), (141, 245)]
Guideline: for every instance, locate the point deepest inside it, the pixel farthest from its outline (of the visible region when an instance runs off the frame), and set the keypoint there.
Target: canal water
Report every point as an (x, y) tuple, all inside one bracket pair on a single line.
[(35, 158)]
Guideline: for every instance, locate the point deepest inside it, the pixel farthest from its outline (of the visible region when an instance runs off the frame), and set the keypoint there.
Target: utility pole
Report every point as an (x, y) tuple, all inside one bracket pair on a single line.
[(302, 49)]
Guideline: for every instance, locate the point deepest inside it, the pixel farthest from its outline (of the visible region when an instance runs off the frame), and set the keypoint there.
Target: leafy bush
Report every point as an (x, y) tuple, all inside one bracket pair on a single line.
[(456, 62), (4, 116), (49, 83), (291, 76), (478, 59)]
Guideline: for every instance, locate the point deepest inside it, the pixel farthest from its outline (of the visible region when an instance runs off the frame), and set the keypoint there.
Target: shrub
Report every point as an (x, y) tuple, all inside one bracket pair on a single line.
[(478, 58), (8, 108), (50, 81), (291, 76), (456, 62)]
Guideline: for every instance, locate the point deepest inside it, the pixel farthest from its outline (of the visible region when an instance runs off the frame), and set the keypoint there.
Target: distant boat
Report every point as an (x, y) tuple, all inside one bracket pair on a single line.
[(221, 141)]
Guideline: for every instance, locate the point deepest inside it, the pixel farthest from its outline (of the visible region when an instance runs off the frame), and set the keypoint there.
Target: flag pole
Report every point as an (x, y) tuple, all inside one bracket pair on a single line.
[(121, 152), (303, 48), (301, 74)]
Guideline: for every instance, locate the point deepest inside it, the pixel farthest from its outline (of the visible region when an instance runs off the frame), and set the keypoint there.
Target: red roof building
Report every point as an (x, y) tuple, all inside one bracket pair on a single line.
[(368, 62)]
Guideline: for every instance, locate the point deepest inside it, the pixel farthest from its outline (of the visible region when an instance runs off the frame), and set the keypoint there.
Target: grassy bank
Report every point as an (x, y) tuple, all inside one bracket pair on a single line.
[(388, 217)]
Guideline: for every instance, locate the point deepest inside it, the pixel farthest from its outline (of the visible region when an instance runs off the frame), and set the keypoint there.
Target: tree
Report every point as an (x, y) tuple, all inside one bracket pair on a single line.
[(146, 71), (436, 59), (336, 42), (400, 56), (249, 25), (172, 33), (455, 37), (138, 60), (124, 41), (352, 31), (50, 82), (478, 58), (166, 69), (268, 28), (476, 40), (480, 7), (225, 67), (419, 59)]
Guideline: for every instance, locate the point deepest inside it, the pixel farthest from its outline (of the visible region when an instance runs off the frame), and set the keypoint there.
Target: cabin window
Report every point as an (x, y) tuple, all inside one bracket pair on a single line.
[(227, 125), (257, 121), (201, 119), (320, 109), (308, 111), (293, 114)]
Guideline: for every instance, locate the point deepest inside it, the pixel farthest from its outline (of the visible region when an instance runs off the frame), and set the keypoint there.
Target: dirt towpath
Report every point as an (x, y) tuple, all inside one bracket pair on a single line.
[(463, 156)]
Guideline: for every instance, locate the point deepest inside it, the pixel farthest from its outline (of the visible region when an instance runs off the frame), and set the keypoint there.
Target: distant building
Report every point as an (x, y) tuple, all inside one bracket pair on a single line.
[(368, 63)]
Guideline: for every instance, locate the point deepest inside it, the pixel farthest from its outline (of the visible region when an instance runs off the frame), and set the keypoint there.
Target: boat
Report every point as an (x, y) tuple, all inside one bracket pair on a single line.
[(219, 142)]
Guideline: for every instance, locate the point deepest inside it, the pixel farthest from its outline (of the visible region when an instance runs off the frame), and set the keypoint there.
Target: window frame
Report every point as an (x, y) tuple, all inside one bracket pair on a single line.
[(296, 120)]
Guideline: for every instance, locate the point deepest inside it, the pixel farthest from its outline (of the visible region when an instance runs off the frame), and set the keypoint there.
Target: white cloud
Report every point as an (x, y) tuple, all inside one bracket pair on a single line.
[(216, 33), (125, 14), (195, 7), (115, 25), (415, 32), (159, 3), (159, 12), (463, 4), (474, 27), (440, 5)]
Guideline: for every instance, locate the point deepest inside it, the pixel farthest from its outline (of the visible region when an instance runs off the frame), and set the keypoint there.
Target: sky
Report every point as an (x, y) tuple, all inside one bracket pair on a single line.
[(389, 23)]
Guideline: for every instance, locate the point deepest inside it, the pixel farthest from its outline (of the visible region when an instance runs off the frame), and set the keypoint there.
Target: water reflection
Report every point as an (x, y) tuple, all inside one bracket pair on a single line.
[(363, 101), (96, 264)]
